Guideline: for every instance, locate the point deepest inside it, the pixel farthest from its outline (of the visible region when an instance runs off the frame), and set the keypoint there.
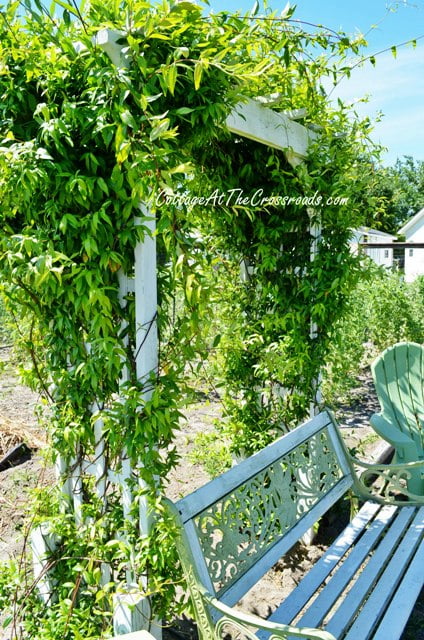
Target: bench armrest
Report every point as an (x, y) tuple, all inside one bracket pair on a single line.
[(392, 478), (247, 623), (405, 446)]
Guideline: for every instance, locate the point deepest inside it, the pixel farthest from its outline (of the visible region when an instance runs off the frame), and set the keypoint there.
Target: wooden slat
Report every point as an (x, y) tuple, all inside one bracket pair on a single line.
[(408, 364), (298, 598), (332, 591), (370, 574), (234, 593), (211, 492), (401, 606), (391, 383), (388, 582), (401, 357), (256, 122), (420, 395), (415, 380)]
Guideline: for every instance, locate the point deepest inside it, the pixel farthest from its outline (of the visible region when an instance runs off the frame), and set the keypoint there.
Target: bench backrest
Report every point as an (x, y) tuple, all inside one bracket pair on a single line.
[(234, 528), (398, 375)]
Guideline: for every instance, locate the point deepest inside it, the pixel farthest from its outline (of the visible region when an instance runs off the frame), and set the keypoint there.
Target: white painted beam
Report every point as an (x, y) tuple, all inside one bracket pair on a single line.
[(106, 39), (256, 122), (146, 305), (249, 118)]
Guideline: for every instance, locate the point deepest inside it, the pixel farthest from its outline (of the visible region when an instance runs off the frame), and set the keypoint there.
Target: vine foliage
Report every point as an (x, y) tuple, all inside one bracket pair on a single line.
[(84, 144)]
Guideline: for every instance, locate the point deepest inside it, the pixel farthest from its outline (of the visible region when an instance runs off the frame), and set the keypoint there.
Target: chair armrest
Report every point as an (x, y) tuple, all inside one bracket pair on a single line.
[(394, 478), (388, 432), (247, 623)]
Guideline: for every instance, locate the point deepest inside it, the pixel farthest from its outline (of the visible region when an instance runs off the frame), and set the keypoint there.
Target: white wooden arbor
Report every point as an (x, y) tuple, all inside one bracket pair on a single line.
[(256, 122)]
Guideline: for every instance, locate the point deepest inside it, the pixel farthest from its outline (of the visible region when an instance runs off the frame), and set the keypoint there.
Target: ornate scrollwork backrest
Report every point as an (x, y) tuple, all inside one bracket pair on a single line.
[(242, 526)]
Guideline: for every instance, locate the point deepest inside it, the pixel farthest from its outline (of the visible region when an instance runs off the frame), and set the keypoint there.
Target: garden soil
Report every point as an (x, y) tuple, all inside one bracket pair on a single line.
[(19, 423)]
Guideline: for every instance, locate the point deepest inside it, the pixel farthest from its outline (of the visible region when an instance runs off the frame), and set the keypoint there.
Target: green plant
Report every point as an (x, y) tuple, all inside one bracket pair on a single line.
[(211, 453), (383, 309), (84, 144)]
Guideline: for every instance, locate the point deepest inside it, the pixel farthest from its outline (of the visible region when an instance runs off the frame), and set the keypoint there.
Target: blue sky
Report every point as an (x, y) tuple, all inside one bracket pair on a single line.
[(395, 86)]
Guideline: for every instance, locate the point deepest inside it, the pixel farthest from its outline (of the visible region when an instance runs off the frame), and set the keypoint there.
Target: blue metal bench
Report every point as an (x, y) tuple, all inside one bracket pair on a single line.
[(234, 529)]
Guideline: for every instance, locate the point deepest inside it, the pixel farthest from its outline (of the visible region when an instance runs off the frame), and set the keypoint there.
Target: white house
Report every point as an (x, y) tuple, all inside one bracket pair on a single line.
[(383, 256), (413, 230)]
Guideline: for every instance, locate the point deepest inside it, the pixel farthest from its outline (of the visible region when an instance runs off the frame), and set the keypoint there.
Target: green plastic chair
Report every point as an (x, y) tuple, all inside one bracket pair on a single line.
[(398, 375)]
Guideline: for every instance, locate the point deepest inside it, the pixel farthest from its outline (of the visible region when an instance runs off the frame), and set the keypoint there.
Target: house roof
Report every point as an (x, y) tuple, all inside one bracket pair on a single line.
[(375, 232), (412, 221)]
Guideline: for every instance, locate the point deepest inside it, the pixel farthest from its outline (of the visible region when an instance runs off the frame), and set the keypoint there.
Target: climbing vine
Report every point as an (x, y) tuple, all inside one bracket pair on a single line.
[(85, 144)]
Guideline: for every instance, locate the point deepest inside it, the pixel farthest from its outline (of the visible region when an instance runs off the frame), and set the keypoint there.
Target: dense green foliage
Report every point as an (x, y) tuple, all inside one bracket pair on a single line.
[(84, 144), (398, 193), (271, 359), (383, 309)]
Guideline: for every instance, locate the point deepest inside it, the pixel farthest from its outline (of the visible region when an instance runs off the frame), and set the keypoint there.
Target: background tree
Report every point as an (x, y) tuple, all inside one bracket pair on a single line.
[(396, 192)]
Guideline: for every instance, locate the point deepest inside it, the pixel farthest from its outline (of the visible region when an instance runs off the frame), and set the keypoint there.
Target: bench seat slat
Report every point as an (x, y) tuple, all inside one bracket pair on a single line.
[(360, 553), (370, 574), (298, 598), (389, 580), (235, 592), (401, 606)]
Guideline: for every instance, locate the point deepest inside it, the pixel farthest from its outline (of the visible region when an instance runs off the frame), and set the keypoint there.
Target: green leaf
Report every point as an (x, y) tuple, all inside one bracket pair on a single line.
[(67, 7), (117, 178), (159, 36), (128, 119), (394, 52), (181, 52), (182, 111), (186, 167), (198, 71), (171, 78), (103, 186), (159, 130), (216, 341), (254, 9), (66, 17), (7, 621), (285, 12)]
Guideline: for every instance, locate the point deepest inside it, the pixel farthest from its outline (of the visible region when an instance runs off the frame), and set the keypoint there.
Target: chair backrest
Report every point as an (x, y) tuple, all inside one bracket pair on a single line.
[(398, 375), (234, 528)]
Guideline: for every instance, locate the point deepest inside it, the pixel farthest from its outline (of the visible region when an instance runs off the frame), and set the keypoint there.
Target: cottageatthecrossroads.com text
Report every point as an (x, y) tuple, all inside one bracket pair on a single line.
[(237, 197)]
